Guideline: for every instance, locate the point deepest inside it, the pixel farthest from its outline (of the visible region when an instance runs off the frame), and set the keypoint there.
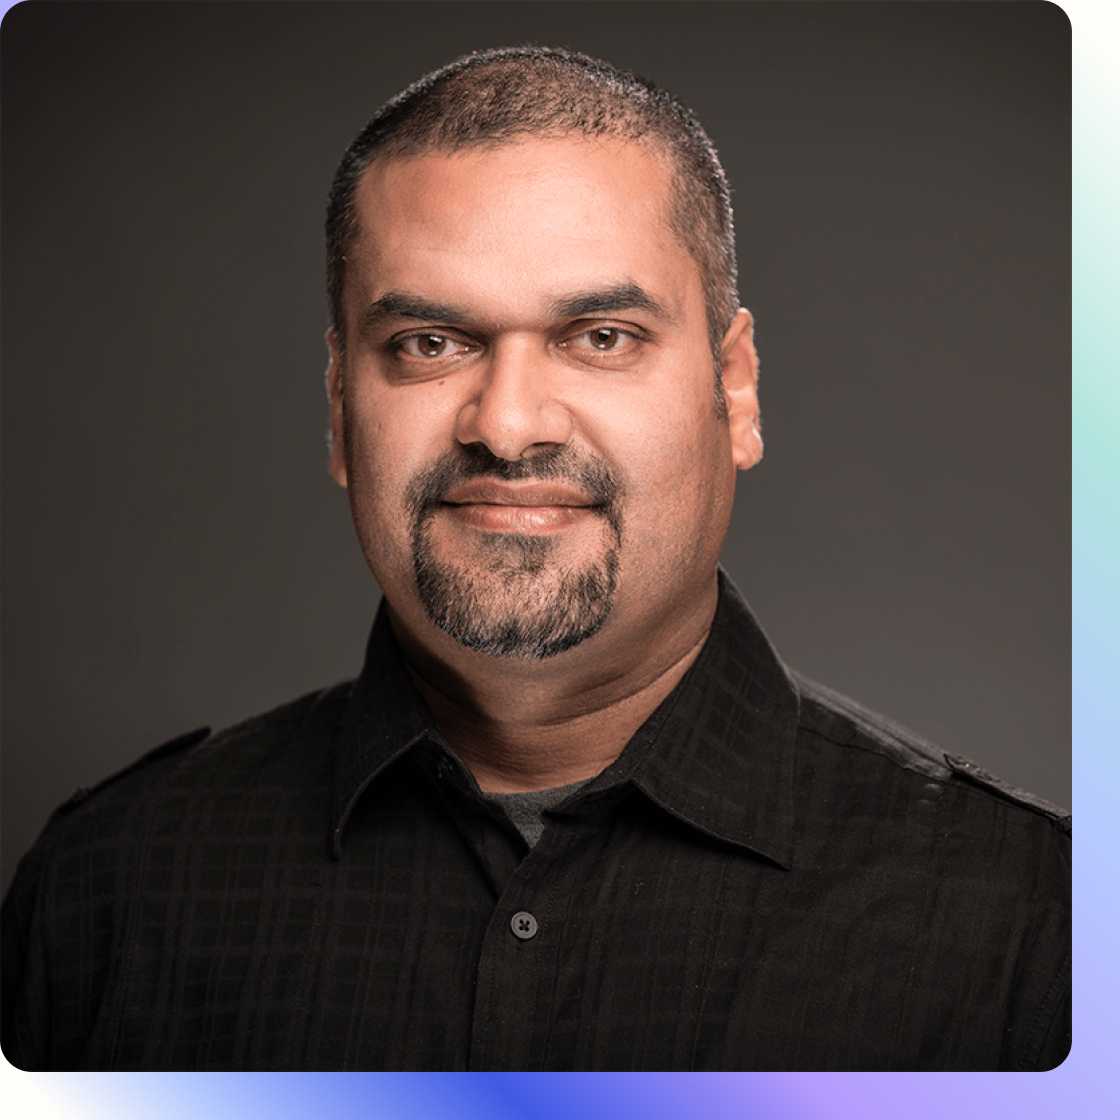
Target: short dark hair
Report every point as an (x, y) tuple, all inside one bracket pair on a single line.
[(501, 94)]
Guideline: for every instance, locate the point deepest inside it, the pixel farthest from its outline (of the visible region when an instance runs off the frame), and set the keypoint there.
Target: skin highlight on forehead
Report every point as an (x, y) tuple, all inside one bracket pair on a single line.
[(424, 223)]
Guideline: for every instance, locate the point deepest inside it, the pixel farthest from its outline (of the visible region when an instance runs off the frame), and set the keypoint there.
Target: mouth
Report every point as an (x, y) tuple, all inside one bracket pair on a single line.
[(529, 508), (530, 494)]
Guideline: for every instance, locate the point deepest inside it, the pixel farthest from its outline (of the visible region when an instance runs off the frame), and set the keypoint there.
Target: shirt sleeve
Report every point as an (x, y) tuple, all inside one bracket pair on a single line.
[(1042, 1031), (26, 995), (1055, 1033)]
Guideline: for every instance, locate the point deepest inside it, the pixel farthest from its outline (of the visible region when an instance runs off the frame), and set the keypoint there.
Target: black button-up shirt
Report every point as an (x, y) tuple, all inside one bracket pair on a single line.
[(768, 877)]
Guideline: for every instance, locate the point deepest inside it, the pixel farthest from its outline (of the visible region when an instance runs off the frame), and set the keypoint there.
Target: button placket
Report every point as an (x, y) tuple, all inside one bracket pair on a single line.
[(512, 1003)]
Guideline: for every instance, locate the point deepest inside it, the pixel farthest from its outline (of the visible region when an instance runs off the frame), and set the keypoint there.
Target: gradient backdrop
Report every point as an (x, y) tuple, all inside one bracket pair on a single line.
[(173, 552)]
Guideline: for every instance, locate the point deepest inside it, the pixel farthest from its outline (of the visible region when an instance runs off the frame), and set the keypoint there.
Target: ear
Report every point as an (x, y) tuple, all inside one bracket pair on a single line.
[(336, 437), (740, 387)]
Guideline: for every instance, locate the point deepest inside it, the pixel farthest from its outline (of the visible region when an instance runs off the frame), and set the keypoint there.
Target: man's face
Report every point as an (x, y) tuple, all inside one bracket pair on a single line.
[(524, 413)]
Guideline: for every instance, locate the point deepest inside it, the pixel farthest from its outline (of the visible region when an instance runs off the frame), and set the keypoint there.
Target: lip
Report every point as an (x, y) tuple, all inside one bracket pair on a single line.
[(538, 495), (494, 517)]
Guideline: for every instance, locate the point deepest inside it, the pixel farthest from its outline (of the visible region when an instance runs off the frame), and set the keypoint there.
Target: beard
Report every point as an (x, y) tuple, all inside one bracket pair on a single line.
[(513, 595)]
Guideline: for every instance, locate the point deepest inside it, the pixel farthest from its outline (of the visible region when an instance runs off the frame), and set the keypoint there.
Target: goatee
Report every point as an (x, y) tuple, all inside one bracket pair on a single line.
[(516, 598)]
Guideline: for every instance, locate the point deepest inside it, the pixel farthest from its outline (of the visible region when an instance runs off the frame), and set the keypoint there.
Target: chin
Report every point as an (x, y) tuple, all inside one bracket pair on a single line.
[(520, 598)]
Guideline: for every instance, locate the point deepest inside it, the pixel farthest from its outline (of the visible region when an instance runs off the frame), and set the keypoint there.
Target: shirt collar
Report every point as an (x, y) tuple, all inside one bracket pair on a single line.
[(717, 753), (384, 719)]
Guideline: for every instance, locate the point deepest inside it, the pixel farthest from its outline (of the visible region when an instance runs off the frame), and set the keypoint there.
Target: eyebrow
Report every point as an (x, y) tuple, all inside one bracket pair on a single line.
[(617, 297), (596, 301), (406, 306)]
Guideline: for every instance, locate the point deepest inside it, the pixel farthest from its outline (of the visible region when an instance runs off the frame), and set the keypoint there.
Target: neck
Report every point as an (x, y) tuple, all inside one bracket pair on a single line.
[(529, 725)]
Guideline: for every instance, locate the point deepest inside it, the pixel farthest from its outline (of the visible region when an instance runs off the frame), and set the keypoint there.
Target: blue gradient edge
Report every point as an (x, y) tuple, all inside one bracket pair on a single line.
[(1081, 1086)]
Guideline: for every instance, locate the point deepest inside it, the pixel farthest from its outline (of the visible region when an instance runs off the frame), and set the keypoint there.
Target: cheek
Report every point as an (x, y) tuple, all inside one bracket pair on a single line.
[(379, 464), (671, 453), (378, 469), (390, 437), (365, 450), (680, 480)]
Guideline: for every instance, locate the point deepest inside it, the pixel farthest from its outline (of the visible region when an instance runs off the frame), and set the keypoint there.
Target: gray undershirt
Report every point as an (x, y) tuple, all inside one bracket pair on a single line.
[(525, 809)]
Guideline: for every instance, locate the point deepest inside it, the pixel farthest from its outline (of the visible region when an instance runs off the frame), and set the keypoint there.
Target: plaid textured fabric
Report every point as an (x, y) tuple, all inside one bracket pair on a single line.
[(769, 877)]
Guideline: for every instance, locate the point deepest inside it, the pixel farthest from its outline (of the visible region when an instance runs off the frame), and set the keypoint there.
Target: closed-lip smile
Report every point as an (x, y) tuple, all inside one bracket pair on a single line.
[(518, 508), (535, 494)]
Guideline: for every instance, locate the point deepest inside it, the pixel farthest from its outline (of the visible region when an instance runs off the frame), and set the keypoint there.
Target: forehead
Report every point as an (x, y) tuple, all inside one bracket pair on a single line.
[(509, 224)]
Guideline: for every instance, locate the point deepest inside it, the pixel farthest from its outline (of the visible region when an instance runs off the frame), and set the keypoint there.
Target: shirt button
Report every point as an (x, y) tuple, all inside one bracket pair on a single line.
[(524, 925)]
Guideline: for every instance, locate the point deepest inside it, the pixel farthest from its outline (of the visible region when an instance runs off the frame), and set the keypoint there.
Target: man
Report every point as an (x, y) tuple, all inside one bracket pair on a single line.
[(575, 813)]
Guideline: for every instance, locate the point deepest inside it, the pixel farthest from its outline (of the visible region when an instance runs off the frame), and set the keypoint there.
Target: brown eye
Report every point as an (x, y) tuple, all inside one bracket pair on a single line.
[(429, 346), (597, 344)]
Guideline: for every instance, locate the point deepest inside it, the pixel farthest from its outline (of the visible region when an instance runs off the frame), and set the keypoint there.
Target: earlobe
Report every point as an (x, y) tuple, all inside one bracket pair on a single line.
[(740, 388), (336, 434)]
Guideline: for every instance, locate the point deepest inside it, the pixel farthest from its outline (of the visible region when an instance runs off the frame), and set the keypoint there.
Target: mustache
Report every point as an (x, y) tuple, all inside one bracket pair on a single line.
[(592, 475)]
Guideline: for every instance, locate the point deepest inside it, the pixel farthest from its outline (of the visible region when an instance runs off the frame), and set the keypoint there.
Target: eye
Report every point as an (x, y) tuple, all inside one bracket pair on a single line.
[(610, 342), (429, 345), (605, 338)]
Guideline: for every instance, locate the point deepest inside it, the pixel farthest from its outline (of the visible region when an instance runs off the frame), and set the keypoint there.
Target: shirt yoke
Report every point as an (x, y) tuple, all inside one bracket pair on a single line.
[(841, 721), (221, 760)]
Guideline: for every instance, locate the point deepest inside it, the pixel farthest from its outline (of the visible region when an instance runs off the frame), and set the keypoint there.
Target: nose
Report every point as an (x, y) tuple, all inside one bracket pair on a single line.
[(514, 409)]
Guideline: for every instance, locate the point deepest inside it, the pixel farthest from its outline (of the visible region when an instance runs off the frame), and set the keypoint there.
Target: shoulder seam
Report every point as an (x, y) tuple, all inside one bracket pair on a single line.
[(175, 745), (923, 756), (916, 754), (930, 769)]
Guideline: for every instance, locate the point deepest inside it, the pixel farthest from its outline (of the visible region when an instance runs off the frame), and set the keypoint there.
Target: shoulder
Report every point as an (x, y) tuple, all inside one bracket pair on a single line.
[(194, 762), (840, 723), (982, 867)]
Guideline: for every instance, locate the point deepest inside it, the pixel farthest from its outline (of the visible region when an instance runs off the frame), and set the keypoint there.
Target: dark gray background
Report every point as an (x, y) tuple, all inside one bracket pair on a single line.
[(173, 551)]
